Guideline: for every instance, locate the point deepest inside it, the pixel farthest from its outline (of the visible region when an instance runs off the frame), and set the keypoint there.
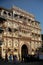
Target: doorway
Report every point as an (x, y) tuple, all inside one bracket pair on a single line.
[(24, 52)]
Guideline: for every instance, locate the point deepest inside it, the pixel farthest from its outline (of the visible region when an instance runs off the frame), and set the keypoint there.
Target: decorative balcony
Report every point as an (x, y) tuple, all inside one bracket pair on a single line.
[(21, 34), (36, 45), (15, 30), (9, 41), (39, 37), (5, 14), (16, 43), (32, 29), (24, 34), (39, 45), (39, 31), (24, 27), (36, 37), (20, 18), (21, 21), (9, 34), (37, 24), (35, 30), (8, 24), (32, 23), (15, 34), (33, 36), (32, 45), (28, 21), (15, 25)]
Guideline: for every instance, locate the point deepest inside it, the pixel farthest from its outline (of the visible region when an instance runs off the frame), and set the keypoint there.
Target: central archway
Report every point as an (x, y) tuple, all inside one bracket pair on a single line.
[(24, 52)]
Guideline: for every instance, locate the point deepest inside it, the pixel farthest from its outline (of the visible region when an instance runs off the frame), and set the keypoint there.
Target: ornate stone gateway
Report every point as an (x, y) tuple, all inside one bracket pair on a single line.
[(24, 52), (19, 33)]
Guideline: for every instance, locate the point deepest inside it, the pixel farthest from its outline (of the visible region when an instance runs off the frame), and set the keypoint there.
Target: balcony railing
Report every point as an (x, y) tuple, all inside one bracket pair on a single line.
[(39, 38), (5, 15), (15, 25), (39, 31), (21, 34), (15, 34), (8, 34)]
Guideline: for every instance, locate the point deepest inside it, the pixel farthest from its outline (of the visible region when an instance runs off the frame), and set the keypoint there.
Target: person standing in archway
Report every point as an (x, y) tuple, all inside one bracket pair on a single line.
[(6, 57)]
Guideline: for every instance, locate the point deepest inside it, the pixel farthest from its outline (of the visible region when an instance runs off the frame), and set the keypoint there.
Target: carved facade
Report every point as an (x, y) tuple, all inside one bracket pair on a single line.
[(18, 28)]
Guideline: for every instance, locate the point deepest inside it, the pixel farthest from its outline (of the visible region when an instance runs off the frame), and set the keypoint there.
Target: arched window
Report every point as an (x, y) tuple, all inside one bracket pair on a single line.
[(15, 30), (28, 19), (4, 12), (9, 29), (9, 14), (24, 18), (20, 16), (15, 49), (15, 15)]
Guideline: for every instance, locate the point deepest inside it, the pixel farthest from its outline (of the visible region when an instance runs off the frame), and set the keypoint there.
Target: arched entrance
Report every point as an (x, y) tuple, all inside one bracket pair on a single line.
[(24, 52)]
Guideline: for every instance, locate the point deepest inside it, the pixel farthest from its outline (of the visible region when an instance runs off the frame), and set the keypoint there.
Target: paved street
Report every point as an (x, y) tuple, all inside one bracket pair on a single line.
[(30, 63), (2, 62)]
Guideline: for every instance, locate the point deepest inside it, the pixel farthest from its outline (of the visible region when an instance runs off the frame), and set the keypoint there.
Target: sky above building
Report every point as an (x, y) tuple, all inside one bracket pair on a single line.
[(32, 6)]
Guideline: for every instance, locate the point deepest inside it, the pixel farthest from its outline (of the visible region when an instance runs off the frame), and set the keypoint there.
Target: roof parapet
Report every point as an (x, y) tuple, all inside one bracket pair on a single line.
[(29, 14)]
